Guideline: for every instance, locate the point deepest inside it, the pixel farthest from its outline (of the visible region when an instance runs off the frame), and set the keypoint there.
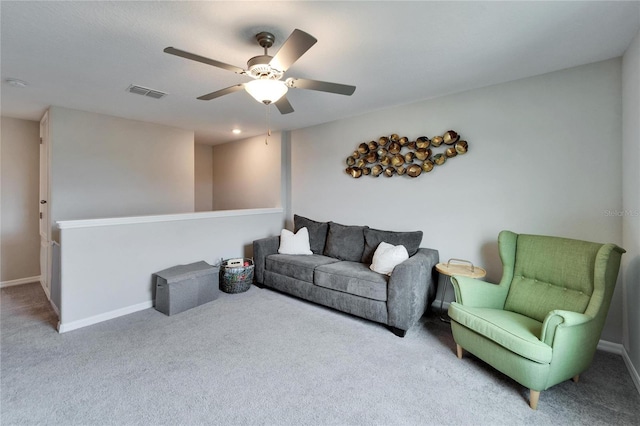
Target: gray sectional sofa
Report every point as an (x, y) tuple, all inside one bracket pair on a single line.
[(337, 274)]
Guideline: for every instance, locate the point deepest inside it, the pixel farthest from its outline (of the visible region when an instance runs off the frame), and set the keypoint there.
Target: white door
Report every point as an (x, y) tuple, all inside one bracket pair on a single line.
[(45, 228)]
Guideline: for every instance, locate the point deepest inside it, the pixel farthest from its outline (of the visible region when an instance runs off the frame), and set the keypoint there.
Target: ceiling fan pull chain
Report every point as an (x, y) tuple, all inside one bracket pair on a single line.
[(268, 121)]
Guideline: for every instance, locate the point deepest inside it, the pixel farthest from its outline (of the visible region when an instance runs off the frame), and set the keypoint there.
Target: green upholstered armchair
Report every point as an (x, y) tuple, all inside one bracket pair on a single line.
[(541, 324)]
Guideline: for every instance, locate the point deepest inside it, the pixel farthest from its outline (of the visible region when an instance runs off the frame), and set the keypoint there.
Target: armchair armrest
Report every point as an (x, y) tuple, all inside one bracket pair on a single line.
[(480, 294), (411, 288), (573, 338), (261, 249), (559, 318)]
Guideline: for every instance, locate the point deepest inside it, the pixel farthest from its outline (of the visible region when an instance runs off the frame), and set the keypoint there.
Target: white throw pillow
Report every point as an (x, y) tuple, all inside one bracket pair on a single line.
[(297, 243), (387, 256)]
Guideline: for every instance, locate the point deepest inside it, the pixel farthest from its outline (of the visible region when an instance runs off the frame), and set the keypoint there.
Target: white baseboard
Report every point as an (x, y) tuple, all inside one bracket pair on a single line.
[(46, 290), (74, 325), (614, 348), (619, 349), (54, 307), (20, 281), (632, 370), (436, 305)]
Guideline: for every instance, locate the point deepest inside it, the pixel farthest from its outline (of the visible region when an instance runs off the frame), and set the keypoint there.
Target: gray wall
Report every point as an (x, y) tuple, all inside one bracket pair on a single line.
[(20, 153), (203, 177), (103, 166), (247, 173), (544, 158), (631, 194)]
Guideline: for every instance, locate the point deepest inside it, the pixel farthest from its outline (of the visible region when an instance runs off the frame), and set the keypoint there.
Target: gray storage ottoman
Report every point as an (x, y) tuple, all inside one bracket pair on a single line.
[(184, 287)]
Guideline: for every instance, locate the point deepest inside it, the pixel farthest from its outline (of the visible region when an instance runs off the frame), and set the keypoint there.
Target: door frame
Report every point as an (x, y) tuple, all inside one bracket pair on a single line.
[(44, 227)]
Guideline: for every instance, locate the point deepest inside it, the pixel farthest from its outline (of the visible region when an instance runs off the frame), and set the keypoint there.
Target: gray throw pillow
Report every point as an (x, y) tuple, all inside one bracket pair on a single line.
[(317, 232), (345, 242), (373, 237)]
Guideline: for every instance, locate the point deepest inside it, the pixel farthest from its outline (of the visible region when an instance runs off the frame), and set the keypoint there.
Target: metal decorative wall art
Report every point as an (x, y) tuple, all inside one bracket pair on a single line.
[(395, 155)]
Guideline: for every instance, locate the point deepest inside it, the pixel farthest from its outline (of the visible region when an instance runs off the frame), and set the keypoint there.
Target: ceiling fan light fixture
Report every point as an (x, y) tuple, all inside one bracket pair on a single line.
[(267, 72), (266, 91)]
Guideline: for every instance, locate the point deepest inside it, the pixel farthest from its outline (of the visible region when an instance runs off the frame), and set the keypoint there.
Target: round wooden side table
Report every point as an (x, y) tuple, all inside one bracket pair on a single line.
[(459, 267)]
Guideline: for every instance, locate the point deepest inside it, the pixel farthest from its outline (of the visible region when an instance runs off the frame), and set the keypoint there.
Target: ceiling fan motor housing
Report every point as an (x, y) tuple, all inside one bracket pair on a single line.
[(258, 67)]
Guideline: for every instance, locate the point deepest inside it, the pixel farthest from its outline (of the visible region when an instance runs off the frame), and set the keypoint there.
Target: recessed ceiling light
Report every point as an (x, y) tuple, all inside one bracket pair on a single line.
[(236, 131), (16, 83)]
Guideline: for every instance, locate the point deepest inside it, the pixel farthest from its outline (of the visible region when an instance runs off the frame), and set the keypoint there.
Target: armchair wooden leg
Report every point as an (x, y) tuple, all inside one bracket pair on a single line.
[(576, 378), (533, 399), (459, 351)]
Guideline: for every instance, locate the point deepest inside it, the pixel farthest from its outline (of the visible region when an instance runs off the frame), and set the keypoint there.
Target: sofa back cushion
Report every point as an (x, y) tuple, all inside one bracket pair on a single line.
[(317, 232), (345, 242), (551, 273), (373, 237)]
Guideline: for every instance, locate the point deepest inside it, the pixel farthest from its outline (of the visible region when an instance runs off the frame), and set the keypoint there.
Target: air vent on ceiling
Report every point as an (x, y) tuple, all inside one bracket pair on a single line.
[(139, 90)]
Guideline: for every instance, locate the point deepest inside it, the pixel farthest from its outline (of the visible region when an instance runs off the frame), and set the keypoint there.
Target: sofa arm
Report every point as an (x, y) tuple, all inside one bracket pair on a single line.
[(261, 249), (411, 289)]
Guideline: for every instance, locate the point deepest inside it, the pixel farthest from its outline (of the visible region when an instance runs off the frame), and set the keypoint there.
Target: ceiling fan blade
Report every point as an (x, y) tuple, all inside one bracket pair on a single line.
[(292, 49), (221, 92), (322, 86), (284, 106), (194, 57)]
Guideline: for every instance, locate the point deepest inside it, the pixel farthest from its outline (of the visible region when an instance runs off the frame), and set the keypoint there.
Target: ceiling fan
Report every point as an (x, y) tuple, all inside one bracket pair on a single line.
[(267, 71)]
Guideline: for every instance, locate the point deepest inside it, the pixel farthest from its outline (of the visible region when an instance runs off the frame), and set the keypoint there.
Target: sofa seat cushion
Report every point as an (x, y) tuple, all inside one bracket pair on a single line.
[(510, 330), (300, 267), (354, 278)]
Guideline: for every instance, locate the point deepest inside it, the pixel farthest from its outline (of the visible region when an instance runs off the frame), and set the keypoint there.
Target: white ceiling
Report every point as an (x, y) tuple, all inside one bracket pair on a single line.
[(83, 55)]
